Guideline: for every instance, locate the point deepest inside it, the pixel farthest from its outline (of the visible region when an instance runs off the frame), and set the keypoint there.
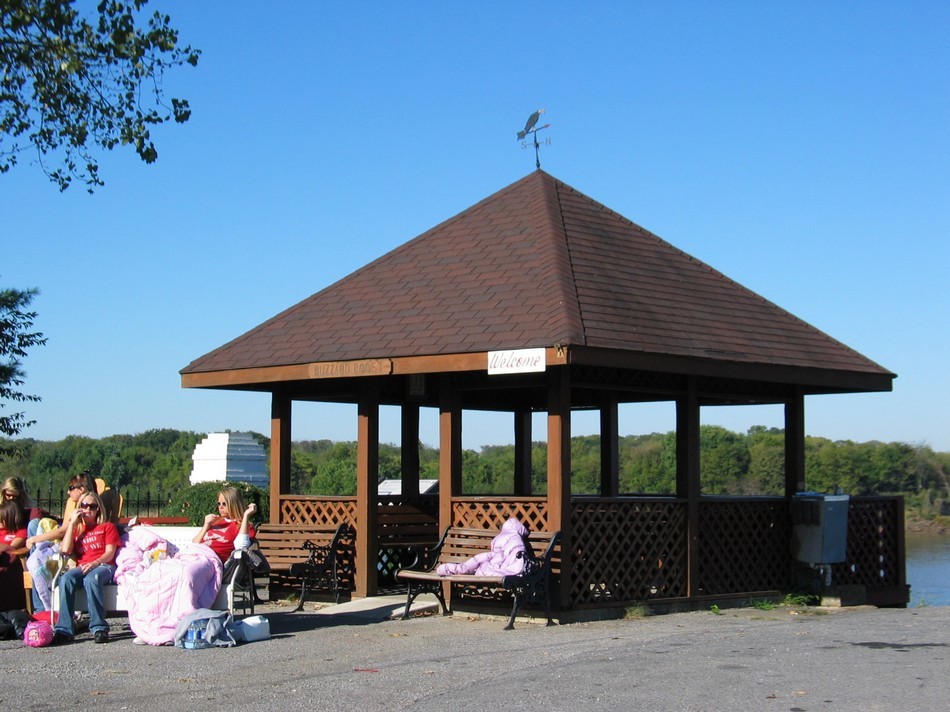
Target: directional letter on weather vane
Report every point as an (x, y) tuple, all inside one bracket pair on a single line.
[(531, 127)]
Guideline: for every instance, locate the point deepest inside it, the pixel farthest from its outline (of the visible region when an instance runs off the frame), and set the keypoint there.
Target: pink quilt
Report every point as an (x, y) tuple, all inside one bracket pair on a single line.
[(159, 591)]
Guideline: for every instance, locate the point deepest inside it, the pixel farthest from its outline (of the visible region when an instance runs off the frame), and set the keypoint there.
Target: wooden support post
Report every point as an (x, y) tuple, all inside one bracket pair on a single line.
[(280, 433), (450, 460), (450, 451), (795, 444), (409, 451), (367, 494), (688, 484), (609, 447), (559, 476), (523, 452)]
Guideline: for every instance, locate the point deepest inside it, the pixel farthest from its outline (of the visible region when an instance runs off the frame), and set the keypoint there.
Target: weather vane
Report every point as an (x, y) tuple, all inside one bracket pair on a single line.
[(531, 127)]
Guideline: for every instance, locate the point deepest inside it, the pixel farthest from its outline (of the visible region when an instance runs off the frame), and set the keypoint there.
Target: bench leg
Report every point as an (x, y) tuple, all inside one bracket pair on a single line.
[(515, 605), (411, 596), (303, 594), (546, 592)]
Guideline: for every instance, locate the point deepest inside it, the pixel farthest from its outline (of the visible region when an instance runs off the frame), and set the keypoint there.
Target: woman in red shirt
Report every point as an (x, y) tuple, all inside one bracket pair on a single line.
[(230, 528), (12, 539), (94, 541)]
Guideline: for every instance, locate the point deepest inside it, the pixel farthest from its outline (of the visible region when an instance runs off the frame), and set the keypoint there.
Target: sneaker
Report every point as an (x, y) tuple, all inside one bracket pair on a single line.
[(101, 636), (61, 639), (138, 641)]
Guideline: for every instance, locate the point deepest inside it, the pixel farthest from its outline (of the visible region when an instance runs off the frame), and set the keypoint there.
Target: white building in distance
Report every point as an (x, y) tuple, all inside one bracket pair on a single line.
[(230, 457)]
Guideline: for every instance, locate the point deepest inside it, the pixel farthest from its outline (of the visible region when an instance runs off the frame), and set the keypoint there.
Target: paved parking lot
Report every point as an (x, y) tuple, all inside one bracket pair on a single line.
[(338, 659)]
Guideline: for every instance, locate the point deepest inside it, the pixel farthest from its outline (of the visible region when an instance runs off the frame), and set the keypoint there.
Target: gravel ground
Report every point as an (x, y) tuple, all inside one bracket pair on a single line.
[(795, 660)]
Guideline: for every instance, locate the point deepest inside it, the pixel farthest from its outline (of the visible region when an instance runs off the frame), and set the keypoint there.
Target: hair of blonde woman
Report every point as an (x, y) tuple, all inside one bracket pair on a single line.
[(15, 486), (234, 502), (102, 515)]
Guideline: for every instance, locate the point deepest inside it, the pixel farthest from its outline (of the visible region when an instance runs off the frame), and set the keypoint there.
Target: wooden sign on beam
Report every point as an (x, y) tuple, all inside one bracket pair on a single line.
[(351, 369)]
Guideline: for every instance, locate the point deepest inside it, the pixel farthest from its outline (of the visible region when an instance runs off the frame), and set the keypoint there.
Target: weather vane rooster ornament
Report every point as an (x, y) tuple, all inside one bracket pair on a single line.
[(531, 127)]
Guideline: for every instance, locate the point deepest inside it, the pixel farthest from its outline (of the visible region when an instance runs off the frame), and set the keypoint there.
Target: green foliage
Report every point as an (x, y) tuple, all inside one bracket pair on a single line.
[(153, 461), (336, 473), (69, 83), (800, 599), (16, 337), (197, 501), (735, 464)]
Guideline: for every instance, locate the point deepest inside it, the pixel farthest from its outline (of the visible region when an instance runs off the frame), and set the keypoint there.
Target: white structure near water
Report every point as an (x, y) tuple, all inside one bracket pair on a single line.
[(230, 457)]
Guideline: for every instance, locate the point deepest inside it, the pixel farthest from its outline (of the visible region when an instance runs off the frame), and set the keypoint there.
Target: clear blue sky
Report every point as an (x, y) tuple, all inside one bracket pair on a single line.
[(802, 148)]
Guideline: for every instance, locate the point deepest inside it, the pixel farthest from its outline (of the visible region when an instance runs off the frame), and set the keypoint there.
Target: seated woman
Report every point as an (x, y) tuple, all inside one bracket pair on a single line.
[(94, 542), (161, 583), (12, 546), (231, 529), (43, 544)]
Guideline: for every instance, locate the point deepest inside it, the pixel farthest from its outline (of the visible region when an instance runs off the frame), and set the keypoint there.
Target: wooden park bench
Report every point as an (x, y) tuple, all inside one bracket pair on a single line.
[(320, 556), (458, 545)]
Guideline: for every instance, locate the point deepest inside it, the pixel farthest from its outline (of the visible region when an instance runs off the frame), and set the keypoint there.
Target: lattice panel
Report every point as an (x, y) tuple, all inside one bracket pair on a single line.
[(743, 545), (628, 551), (874, 557), (331, 511), (491, 513)]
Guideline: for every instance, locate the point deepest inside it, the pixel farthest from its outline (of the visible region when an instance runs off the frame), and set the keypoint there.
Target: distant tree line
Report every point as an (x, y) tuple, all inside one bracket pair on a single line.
[(731, 463)]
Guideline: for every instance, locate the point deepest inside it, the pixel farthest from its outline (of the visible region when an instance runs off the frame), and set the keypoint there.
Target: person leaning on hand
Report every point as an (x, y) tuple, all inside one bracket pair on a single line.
[(230, 528), (94, 542)]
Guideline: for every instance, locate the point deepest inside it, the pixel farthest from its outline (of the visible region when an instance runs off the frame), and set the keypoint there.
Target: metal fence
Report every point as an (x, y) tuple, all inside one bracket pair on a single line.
[(134, 503)]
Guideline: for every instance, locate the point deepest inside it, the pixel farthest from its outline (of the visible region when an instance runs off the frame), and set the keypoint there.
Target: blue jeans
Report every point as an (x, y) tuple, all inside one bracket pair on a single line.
[(92, 583)]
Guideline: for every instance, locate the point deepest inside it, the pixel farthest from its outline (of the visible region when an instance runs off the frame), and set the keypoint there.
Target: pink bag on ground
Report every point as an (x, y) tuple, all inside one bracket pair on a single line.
[(38, 634)]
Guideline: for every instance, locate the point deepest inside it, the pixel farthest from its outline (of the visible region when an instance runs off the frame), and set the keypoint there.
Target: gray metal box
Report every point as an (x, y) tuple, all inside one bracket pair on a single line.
[(820, 528)]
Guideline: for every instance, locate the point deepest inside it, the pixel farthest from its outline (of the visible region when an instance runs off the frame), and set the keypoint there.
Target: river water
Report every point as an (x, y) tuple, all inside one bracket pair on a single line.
[(928, 569)]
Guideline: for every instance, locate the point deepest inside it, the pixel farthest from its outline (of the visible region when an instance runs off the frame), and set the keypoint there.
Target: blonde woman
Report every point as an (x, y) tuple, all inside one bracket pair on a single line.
[(230, 528), (14, 490), (94, 542)]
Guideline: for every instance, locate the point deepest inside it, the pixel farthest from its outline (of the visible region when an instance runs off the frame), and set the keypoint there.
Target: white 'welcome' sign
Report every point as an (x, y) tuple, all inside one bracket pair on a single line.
[(517, 361)]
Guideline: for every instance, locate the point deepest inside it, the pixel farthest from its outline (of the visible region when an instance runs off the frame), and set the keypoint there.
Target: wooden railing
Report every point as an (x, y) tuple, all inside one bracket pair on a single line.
[(628, 550)]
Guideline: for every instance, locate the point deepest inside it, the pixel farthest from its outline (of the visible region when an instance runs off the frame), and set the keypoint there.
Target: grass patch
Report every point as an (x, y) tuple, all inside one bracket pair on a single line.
[(634, 612), (800, 599)]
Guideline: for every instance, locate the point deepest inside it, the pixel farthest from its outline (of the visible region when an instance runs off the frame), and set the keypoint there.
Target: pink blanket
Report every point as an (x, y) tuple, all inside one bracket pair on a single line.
[(159, 591)]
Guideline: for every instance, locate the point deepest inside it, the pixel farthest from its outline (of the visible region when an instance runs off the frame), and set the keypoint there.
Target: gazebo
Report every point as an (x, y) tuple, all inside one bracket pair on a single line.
[(538, 299)]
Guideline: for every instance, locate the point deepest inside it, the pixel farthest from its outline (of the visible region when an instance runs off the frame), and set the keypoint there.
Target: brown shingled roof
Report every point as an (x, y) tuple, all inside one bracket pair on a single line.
[(535, 264)]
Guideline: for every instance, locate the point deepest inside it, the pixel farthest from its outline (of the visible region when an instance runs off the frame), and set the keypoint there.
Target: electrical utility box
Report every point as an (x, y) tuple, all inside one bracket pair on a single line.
[(820, 527)]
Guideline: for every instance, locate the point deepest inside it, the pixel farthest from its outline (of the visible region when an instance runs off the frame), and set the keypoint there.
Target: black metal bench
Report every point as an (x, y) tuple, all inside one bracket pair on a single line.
[(319, 556), (458, 544)]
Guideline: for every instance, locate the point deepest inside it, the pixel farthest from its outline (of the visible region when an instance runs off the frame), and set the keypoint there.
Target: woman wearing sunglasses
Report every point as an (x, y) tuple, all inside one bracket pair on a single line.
[(43, 544), (94, 542), (230, 528), (180, 579)]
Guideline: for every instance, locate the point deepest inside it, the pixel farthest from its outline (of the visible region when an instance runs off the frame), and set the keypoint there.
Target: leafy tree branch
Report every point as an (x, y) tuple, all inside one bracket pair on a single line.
[(70, 84), (16, 337)]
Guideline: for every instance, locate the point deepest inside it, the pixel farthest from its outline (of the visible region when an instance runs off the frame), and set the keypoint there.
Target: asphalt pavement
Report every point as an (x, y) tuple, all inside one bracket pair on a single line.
[(352, 657)]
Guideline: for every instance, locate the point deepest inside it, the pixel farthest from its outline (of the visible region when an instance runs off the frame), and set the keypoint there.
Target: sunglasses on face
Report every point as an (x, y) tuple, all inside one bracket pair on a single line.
[(222, 504), (89, 505), (74, 487)]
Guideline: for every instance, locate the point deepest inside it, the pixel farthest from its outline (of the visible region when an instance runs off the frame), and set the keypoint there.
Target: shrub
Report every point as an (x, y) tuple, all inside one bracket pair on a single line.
[(196, 501)]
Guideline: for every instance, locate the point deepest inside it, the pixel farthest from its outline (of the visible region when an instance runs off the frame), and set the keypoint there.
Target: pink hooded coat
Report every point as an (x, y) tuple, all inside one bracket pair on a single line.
[(505, 558)]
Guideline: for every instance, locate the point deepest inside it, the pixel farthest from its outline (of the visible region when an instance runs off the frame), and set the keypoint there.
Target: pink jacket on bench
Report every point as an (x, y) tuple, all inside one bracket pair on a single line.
[(505, 558)]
